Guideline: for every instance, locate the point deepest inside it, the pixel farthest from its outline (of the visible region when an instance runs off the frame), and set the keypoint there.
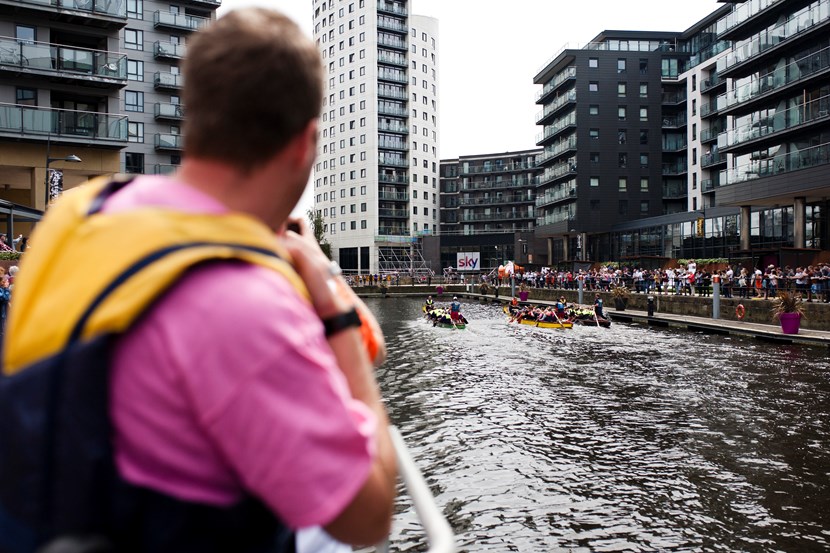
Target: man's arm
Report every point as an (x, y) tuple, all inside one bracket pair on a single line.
[(367, 519)]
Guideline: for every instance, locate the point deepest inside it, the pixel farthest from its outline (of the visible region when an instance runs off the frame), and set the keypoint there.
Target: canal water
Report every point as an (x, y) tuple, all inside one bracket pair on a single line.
[(623, 439)]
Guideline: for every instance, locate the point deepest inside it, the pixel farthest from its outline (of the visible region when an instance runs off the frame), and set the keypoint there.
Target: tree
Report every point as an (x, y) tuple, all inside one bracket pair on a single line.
[(315, 219)]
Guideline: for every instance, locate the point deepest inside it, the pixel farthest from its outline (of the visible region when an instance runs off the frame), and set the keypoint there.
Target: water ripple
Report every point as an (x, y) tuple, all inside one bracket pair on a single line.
[(623, 439)]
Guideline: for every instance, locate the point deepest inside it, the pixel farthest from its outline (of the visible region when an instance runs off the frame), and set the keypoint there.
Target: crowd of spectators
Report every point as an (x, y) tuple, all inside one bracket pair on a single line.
[(812, 282)]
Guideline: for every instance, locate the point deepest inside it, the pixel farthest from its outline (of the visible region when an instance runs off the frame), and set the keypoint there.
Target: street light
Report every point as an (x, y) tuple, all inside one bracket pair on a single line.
[(72, 158)]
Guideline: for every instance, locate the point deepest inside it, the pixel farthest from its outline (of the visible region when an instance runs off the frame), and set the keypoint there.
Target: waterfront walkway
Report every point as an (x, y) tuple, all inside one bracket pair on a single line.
[(766, 332)]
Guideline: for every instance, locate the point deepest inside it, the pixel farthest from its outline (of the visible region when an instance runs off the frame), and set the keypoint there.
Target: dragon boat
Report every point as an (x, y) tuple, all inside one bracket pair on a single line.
[(440, 317)]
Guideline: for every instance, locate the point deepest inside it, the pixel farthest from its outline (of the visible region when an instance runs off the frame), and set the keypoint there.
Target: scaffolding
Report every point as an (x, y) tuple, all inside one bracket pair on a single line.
[(403, 259)]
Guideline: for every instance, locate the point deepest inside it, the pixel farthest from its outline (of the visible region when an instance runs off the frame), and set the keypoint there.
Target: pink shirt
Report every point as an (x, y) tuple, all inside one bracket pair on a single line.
[(228, 386)]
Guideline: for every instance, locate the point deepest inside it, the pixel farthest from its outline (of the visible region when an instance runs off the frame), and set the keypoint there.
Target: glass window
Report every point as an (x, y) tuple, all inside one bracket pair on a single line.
[(594, 181), (26, 96), (593, 109), (135, 132), (643, 113), (643, 90), (25, 33), (593, 63), (593, 86), (643, 66), (621, 136), (623, 160), (643, 136), (644, 184), (594, 157), (620, 66), (643, 161), (594, 134), (133, 101), (135, 9), (133, 162), (644, 206), (622, 184), (694, 83), (133, 39), (621, 113), (135, 70), (623, 207), (621, 90)]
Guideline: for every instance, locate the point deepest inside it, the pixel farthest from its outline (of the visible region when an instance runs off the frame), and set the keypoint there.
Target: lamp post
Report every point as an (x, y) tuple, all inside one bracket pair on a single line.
[(72, 158)]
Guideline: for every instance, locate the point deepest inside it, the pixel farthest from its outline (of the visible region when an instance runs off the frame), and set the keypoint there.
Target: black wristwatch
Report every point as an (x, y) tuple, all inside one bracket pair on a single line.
[(335, 324)]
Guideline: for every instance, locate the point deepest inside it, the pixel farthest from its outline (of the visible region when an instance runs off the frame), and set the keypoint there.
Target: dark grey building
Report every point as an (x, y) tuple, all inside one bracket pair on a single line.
[(488, 206)]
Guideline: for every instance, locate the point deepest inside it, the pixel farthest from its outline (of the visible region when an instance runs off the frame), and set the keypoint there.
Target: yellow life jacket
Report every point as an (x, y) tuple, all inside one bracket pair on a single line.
[(79, 252)]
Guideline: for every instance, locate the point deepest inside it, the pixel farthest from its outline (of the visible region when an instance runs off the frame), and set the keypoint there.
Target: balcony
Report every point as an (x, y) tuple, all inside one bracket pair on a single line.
[(388, 127), (391, 196), (169, 112), (392, 24), (178, 21), (674, 98), (567, 167), (61, 125), (709, 110), (392, 161), (777, 165), (398, 145), (709, 135), (106, 14), (393, 179), (567, 74), (714, 81), (392, 58), (561, 194), (795, 73), (708, 160), (169, 142), (675, 169), (801, 22), (773, 127), (709, 185), (168, 50), (555, 128), (492, 184), (393, 213), (393, 42), (489, 167), (167, 81), (497, 200), (557, 149), (392, 75), (388, 91), (741, 14), (393, 231), (161, 169), (396, 111), (674, 121), (97, 68), (505, 216), (392, 7), (674, 145), (558, 103), (674, 191)]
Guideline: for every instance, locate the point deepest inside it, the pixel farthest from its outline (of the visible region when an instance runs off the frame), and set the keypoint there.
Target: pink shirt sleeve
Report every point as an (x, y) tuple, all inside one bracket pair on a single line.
[(228, 384)]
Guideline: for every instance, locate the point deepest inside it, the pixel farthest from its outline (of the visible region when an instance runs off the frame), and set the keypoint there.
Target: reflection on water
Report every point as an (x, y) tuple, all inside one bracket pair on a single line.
[(622, 439)]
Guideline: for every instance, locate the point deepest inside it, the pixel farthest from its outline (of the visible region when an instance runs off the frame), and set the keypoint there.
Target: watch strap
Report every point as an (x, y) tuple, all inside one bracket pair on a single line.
[(342, 321)]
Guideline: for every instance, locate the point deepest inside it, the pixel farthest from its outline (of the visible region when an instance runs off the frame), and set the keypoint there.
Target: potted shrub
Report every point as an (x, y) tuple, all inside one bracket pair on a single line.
[(523, 292), (788, 308), (620, 294)]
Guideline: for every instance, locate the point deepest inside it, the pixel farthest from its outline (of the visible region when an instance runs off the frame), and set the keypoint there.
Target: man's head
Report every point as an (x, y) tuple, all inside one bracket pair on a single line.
[(253, 82)]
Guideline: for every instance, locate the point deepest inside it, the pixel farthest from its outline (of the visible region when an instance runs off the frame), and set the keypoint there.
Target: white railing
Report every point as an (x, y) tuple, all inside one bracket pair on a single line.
[(439, 533)]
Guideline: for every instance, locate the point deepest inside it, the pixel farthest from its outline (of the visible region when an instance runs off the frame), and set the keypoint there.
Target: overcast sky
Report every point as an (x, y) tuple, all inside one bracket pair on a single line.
[(490, 50)]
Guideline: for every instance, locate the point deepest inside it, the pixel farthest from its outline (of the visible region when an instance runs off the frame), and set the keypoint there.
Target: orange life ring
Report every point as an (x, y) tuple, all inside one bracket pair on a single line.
[(740, 311)]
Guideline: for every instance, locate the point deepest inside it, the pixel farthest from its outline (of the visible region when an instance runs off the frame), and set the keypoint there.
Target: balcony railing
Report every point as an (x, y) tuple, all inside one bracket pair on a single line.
[(561, 193), (391, 24), (392, 161), (113, 8), (709, 109), (557, 127), (707, 160), (389, 110), (86, 126), (169, 50), (742, 13), (392, 58), (799, 70), (497, 200), (392, 7), (393, 196), (709, 135), (678, 168), (777, 165), (161, 169), (169, 111), (392, 231), (567, 167), (495, 184), (674, 121), (799, 22), (56, 59), (674, 97), (794, 117), (507, 215), (166, 141), (674, 191), (564, 75), (557, 149), (495, 168), (392, 42), (566, 98), (391, 92), (168, 80), (179, 21), (393, 179), (393, 213)]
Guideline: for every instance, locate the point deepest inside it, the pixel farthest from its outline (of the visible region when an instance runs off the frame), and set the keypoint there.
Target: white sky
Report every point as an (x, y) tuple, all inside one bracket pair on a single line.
[(490, 50)]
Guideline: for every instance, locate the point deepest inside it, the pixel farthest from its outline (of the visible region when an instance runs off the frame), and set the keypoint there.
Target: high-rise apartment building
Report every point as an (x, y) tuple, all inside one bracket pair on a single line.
[(62, 71), (95, 79), (155, 42), (376, 177)]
